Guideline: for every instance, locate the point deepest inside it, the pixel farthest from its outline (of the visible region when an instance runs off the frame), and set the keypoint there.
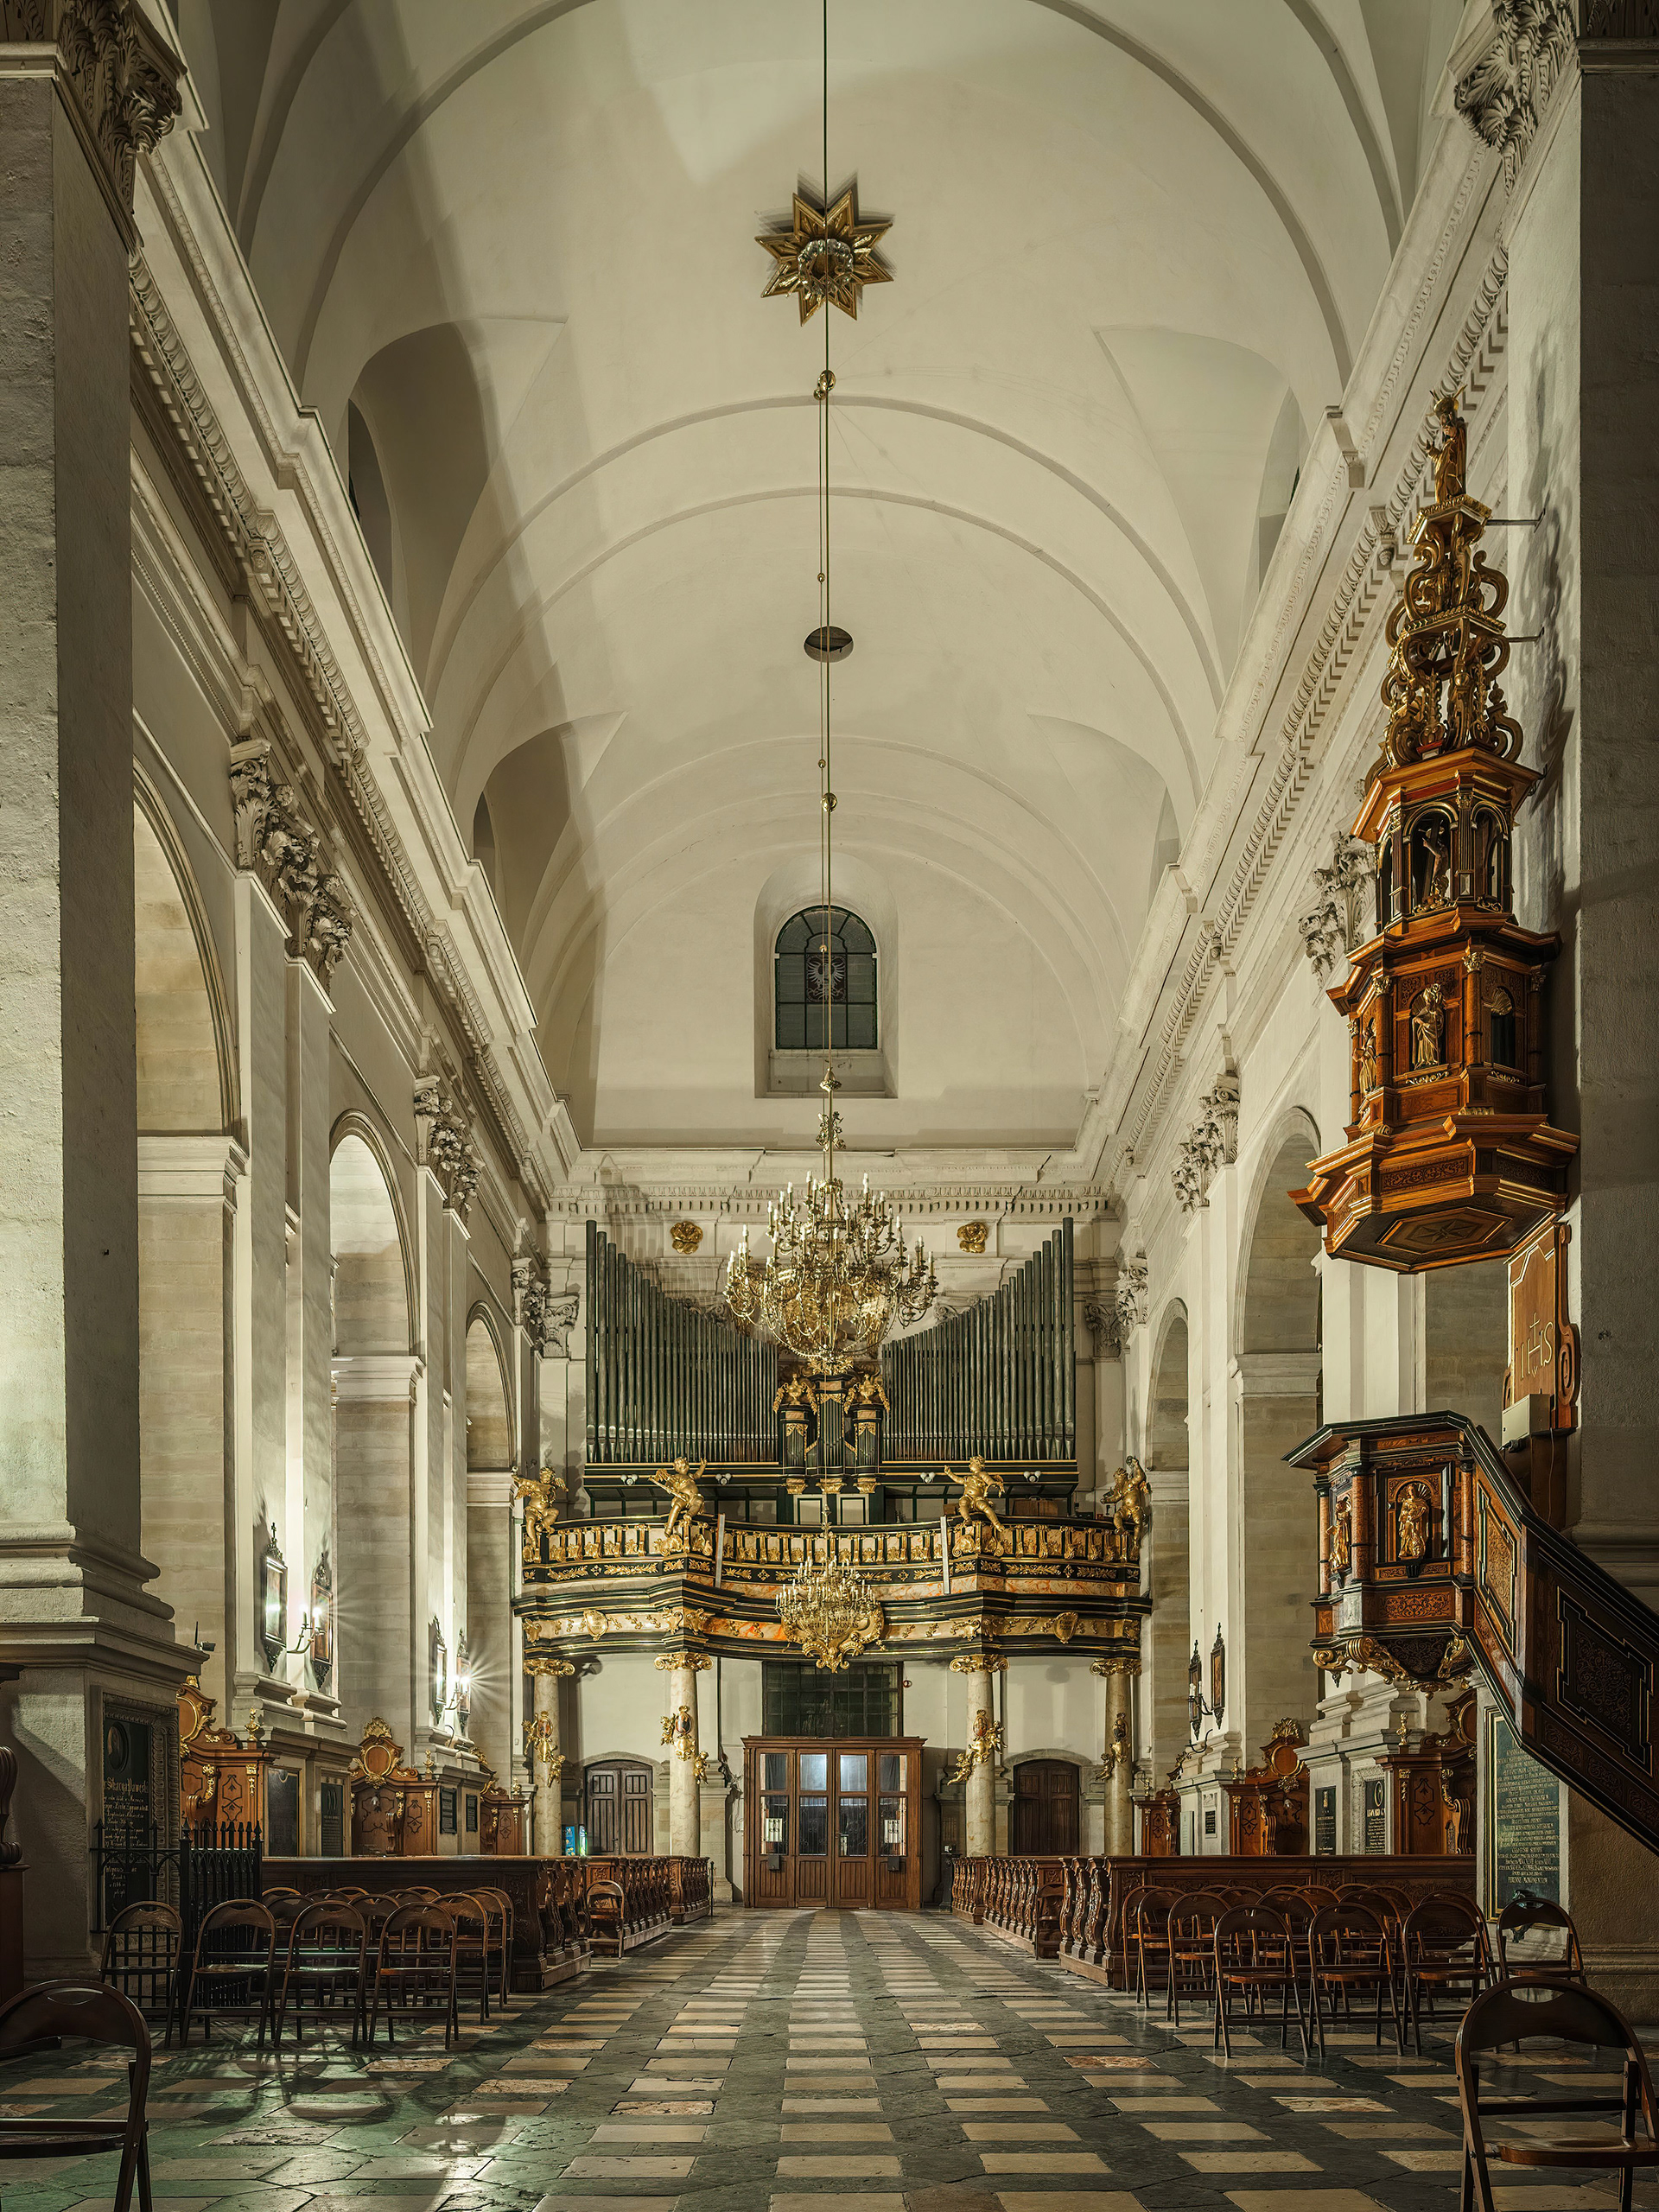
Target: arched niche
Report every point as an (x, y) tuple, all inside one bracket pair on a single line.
[(1167, 1549), (373, 1466), (186, 1101), (489, 1401), (186, 1066), (1270, 1674), (373, 1311)]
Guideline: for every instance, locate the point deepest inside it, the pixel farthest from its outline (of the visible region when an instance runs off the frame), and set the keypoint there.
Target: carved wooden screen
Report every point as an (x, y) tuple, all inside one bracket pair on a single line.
[(1045, 1810), (619, 1810)]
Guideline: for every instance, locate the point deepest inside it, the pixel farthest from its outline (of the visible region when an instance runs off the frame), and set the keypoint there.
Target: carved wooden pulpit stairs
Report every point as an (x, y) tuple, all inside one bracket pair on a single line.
[(1434, 1563)]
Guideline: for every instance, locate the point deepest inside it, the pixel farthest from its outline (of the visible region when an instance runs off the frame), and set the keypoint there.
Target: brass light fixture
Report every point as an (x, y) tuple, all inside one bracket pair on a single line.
[(828, 1611), (826, 256), (838, 1277)]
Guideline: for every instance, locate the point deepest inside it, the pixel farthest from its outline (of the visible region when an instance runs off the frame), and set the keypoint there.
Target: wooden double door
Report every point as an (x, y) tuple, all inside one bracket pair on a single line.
[(833, 1822)]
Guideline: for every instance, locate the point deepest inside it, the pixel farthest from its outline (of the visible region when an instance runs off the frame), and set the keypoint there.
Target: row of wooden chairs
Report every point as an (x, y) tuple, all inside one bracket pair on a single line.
[(1216, 1945), (345, 1955)]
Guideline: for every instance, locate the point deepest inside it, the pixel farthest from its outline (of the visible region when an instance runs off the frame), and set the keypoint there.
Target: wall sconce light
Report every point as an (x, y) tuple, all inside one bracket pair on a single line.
[(273, 1600)]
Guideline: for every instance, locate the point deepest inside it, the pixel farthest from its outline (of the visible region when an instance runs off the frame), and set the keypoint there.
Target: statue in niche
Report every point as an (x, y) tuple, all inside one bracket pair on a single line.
[(1341, 1537), (1428, 1029), (1433, 842), (1368, 1054), (1411, 1511)]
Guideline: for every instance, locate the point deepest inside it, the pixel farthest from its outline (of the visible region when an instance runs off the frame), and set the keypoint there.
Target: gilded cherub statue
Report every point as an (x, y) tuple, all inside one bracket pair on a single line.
[(1131, 1506), (686, 1500), (980, 1484), (543, 1496)]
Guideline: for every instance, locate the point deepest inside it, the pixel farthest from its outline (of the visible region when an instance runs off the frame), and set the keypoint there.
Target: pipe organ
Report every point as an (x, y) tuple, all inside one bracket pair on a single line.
[(998, 1380), (666, 1381)]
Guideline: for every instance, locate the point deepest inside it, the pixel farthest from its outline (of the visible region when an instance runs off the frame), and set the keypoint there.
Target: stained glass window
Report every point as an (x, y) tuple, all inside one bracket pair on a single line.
[(817, 970)]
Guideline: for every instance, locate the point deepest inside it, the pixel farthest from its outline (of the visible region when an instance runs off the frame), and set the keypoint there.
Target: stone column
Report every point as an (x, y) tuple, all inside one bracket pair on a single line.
[(546, 1671), (92, 1645), (684, 1809), (979, 1792), (378, 1669), (1582, 231), (1119, 1755)]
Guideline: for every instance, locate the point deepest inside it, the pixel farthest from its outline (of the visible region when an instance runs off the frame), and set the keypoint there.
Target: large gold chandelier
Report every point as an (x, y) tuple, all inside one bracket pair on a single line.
[(828, 1611), (837, 1278)]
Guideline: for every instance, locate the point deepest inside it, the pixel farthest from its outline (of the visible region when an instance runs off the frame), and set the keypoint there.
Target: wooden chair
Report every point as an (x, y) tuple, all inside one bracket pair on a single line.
[(1443, 1947), (1318, 1895), (327, 1961), (473, 1970), (420, 1897), (1145, 1927), (1566, 2013), (1256, 1955), (141, 1958), (63, 2011), (414, 1970), (1190, 1943), (498, 1907), (234, 1970), (1522, 1916), (607, 1907), (1348, 1949)]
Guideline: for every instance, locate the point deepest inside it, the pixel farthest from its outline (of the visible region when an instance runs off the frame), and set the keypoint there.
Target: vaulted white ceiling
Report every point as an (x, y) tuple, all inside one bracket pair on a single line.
[(508, 250)]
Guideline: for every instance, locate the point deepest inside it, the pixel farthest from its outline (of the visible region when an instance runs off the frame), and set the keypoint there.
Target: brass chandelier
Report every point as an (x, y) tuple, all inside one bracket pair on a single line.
[(838, 1277), (828, 1611)]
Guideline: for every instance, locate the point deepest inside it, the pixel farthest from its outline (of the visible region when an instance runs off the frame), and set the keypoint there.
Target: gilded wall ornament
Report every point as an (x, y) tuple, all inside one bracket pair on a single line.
[(826, 255), (972, 1236), (685, 1236)]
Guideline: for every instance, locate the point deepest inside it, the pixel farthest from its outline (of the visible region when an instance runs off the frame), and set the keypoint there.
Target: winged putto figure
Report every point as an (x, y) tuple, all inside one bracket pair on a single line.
[(685, 1501)]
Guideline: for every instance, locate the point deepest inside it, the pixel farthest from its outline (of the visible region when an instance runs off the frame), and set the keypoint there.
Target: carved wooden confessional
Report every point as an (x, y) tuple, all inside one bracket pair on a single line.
[(1450, 1154)]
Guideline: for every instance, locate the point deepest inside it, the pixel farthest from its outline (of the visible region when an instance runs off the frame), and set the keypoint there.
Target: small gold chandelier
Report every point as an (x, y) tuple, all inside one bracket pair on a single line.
[(828, 1611), (838, 1277)]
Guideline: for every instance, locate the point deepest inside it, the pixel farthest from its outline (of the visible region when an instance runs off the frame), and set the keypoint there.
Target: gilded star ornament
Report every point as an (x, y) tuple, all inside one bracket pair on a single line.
[(826, 255)]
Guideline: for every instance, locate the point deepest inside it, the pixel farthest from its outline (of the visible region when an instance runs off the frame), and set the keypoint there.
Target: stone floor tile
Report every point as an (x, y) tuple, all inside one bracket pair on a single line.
[(1067, 2200), (806, 2200), (1018, 2130), (835, 2131), (595, 2168), (1428, 2162), (871, 2166), (1302, 2200), (1042, 2162), (1203, 2130), (1249, 2161)]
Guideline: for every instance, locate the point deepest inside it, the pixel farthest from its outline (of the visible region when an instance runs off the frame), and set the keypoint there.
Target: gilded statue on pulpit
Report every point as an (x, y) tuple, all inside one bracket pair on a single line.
[(1411, 1521)]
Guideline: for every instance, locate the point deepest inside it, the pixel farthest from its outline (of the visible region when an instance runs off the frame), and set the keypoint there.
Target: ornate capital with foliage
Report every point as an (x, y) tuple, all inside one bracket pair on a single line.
[(1211, 1143), (275, 841), (444, 1140), (123, 79)]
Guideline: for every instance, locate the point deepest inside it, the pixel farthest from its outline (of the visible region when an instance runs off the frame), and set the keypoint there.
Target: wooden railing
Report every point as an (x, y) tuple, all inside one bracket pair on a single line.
[(631, 1900), (1479, 1575), (1072, 1909), (1021, 1899)]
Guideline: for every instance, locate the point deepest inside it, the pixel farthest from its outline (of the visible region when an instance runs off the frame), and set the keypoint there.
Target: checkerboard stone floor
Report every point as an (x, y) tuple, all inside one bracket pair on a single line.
[(792, 2062)]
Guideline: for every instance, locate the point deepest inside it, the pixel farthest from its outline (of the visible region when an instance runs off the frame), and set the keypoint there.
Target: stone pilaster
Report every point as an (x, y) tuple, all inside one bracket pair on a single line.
[(93, 1646), (984, 1747), (1118, 1756)]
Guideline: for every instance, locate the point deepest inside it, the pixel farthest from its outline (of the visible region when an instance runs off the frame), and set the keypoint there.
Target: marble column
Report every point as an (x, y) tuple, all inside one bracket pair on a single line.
[(980, 1790), (547, 1763), (82, 1644), (1119, 1756), (684, 1807)]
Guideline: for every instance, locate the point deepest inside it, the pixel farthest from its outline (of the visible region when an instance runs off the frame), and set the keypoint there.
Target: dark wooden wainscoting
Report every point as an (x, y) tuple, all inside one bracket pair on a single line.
[(833, 1822)]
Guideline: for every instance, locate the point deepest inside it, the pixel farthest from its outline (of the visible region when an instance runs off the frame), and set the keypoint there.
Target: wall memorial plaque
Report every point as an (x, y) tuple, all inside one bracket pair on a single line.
[(128, 1807), (1324, 1820), (1376, 1819), (331, 1819), (448, 1802), (1523, 1820), (283, 1812)]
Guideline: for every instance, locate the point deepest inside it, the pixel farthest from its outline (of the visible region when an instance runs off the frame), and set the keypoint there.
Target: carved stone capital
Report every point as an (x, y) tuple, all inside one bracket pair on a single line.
[(443, 1140), (1101, 1319), (275, 842), (1335, 923), (1131, 1298), (1503, 96), (1209, 1144), (122, 79)]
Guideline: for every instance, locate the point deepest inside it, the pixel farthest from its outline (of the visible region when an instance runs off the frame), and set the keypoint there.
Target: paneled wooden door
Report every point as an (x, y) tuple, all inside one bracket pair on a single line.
[(833, 1822), (1046, 1809)]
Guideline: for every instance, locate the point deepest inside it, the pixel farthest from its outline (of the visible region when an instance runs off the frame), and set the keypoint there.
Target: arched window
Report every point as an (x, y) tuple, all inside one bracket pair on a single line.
[(805, 981)]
